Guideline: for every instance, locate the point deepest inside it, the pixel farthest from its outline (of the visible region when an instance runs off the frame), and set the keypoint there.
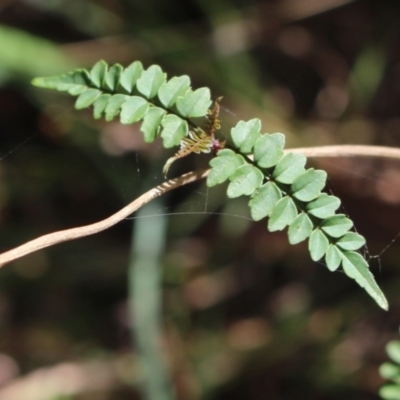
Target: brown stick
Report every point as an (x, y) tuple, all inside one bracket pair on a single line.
[(75, 233)]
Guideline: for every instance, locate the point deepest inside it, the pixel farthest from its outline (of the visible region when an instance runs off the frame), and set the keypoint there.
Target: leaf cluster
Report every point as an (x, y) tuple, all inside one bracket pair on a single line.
[(135, 94), (282, 189), (279, 185)]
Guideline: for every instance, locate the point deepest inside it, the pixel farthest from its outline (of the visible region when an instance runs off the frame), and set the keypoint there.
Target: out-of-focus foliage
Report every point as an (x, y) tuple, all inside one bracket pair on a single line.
[(244, 315), (390, 371)]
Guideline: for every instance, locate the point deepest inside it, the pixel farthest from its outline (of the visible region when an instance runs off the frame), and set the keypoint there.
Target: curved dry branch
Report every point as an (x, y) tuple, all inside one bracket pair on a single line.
[(75, 233)]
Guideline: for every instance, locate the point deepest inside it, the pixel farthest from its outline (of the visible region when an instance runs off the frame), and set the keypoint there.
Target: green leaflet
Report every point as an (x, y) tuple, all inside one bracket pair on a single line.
[(71, 82), (194, 104), (268, 149), (324, 206), (289, 168), (174, 129), (355, 267), (130, 76), (98, 73), (112, 77), (114, 106), (283, 214), (133, 109), (171, 90), (150, 81), (100, 105), (152, 123), (245, 134), (318, 245), (351, 241), (87, 98), (336, 226), (300, 229), (223, 166), (244, 181), (263, 200), (308, 186), (333, 257)]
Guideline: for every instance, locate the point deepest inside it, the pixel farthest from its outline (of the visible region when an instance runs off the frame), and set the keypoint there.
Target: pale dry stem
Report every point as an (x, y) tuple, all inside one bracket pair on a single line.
[(75, 233)]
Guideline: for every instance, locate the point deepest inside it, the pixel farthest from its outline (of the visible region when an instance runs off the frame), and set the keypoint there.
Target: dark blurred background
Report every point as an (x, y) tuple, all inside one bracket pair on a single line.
[(244, 315)]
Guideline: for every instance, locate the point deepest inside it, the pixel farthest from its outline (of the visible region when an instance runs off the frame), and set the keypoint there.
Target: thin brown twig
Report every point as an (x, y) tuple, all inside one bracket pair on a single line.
[(75, 233)]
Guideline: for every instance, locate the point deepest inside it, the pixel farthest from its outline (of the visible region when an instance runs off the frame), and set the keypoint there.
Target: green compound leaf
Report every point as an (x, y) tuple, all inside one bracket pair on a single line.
[(130, 76), (194, 104), (333, 257), (174, 129), (263, 200), (390, 392), (171, 90), (150, 81), (351, 241), (355, 267), (151, 125), (393, 350), (308, 186), (223, 166), (245, 134), (112, 77), (133, 110), (100, 105), (114, 106), (283, 214), (336, 226), (87, 98), (318, 245), (300, 229), (289, 168), (268, 149), (98, 73), (324, 206), (244, 181)]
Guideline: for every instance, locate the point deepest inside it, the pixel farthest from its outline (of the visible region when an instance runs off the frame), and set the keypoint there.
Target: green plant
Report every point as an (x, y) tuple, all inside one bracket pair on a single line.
[(391, 371), (255, 164)]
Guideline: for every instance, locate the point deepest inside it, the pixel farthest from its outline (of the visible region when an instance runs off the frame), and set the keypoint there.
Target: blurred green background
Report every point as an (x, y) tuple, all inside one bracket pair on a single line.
[(236, 312)]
